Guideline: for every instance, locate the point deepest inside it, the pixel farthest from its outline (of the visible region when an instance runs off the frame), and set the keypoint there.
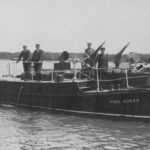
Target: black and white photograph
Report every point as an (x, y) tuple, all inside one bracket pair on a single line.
[(74, 74)]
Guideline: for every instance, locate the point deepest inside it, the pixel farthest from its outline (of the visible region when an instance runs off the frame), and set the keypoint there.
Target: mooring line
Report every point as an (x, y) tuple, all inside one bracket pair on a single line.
[(18, 96)]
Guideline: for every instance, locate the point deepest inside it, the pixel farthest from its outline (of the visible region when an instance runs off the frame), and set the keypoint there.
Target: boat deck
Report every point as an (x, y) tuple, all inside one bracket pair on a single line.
[(42, 81)]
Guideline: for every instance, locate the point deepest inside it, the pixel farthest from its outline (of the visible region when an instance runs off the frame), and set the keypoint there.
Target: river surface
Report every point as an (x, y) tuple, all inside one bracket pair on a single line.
[(26, 129)]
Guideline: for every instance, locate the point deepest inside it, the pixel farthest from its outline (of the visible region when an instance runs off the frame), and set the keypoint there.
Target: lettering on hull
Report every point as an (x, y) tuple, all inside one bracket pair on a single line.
[(125, 101)]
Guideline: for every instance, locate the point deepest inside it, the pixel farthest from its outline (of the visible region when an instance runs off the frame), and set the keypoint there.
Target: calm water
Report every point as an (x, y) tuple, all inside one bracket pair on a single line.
[(22, 129)]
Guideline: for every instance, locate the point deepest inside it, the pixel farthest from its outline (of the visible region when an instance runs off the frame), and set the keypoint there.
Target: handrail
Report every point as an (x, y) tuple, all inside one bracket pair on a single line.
[(123, 78), (97, 75), (89, 77)]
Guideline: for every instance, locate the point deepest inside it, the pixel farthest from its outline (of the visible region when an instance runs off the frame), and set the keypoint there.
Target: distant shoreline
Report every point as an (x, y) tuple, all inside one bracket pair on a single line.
[(55, 56)]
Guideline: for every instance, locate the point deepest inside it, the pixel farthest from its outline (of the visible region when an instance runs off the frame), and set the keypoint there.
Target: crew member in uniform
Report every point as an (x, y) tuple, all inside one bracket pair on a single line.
[(25, 54), (102, 63), (89, 51), (86, 65), (37, 59)]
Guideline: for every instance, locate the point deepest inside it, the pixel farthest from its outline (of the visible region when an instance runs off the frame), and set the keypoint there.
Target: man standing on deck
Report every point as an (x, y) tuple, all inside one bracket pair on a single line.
[(89, 51), (86, 62), (102, 63), (25, 54), (37, 59), (87, 54)]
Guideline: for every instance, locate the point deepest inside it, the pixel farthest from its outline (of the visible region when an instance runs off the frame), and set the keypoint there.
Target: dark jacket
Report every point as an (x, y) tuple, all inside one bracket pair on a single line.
[(89, 51), (37, 55), (102, 61), (25, 54)]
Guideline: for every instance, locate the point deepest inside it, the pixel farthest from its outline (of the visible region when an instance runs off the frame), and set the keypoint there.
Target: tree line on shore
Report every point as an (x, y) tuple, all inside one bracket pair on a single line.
[(55, 56)]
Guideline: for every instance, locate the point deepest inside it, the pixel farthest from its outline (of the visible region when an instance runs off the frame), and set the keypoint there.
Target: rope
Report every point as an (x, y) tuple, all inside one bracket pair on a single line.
[(123, 78), (18, 96), (137, 77), (87, 76)]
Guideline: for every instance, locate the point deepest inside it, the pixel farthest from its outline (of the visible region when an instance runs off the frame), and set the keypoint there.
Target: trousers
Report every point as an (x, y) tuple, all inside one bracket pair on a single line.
[(37, 69)]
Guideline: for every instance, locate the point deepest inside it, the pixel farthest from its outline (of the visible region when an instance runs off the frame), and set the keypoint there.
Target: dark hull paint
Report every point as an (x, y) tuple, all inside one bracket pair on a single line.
[(67, 96)]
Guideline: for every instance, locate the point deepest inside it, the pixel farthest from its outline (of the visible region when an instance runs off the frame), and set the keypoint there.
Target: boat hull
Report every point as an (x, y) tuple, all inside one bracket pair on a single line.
[(68, 97)]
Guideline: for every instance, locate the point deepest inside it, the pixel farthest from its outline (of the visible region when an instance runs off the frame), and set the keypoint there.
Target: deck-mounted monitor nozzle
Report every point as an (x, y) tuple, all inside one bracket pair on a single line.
[(117, 60)]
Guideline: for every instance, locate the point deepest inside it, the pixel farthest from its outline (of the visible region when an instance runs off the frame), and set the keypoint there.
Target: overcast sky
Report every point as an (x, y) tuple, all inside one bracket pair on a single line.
[(60, 25)]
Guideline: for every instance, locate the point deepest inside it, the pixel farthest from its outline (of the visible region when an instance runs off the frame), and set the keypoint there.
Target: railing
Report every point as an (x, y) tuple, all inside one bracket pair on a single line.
[(11, 66), (126, 78), (98, 79)]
